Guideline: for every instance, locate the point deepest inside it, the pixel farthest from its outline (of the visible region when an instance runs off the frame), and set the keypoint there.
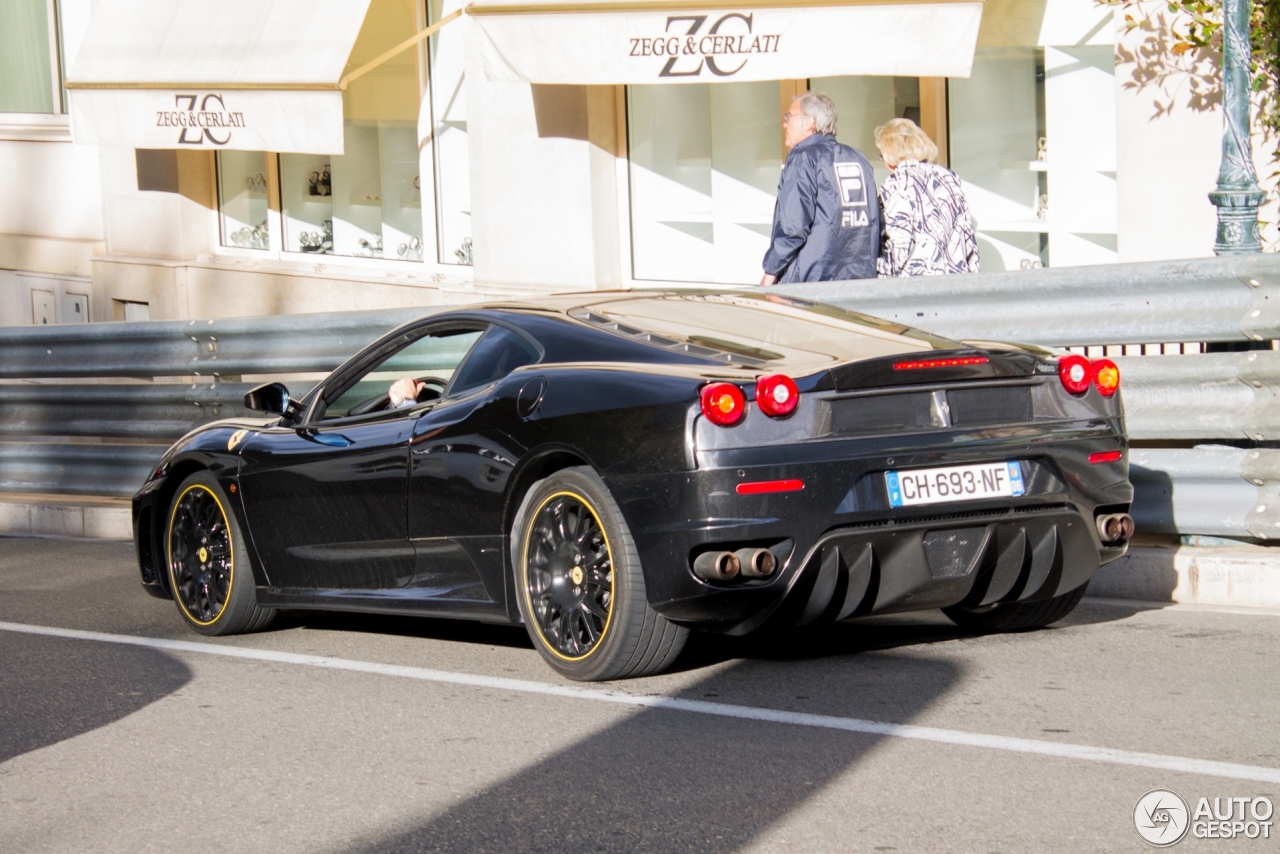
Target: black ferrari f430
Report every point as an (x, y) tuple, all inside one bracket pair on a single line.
[(613, 470)]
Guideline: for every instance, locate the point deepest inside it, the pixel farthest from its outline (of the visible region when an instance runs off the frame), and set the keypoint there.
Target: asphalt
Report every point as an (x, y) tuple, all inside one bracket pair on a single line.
[(108, 746)]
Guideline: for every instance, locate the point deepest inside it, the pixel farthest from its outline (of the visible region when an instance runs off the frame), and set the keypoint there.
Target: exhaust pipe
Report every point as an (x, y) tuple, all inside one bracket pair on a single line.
[(1115, 527), (756, 563), (716, 566)]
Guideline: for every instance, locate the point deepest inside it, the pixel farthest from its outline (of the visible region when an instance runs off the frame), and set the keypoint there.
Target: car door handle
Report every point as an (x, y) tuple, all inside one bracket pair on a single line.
[(333, 440)]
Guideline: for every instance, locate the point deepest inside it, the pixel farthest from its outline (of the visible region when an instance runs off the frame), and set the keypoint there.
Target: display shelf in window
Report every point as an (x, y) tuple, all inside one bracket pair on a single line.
[(242, 199), (306, 196)]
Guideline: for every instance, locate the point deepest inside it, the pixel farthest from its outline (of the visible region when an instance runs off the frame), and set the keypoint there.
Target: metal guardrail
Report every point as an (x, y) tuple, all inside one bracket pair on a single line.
[(1232, 396), (171, 348), (1207, 299), (1207, 398), (157, 413), (1232, 298), (114, 471), (1214, 490)]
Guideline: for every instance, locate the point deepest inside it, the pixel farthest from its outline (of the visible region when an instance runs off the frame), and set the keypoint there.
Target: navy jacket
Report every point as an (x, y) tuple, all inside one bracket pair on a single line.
[(826, 223)]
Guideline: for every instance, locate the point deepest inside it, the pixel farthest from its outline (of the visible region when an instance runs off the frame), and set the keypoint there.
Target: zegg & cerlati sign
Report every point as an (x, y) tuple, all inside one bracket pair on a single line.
[(721, 51), (628, 46), (203, 125)]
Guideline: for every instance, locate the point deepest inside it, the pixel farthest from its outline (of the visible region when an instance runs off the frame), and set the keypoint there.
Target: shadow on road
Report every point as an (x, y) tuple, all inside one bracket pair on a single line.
[(664, 780), (704, 648), (52, 689)]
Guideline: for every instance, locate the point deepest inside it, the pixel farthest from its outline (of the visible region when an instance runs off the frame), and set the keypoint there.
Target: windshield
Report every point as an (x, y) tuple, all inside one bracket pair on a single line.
[(755, 328)]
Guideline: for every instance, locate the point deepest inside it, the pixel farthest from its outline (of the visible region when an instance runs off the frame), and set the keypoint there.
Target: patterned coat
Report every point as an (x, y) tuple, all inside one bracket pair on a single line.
[(928, 230)]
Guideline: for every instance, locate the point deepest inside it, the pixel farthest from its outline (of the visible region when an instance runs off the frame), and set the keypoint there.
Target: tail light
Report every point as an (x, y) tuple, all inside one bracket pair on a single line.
[(777, 395), (1106, 376), (723, 403), (1075, 372)]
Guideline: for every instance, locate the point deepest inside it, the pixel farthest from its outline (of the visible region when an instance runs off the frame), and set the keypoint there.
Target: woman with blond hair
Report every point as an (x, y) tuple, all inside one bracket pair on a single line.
[(927, 227)]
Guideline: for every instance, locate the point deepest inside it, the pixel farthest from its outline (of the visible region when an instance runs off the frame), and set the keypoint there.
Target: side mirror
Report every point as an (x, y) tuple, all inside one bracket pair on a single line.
[(272, 398)]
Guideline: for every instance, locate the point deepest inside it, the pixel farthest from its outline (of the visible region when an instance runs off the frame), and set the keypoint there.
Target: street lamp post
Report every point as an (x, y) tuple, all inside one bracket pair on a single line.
[(1238, 194)]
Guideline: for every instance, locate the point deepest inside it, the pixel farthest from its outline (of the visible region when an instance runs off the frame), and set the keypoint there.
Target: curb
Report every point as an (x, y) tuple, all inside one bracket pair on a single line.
[(1244, 576), (67, 516)]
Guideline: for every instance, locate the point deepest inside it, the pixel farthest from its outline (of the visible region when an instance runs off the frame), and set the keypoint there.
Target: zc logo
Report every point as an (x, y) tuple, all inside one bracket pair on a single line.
[(198, 125), (709, 49)]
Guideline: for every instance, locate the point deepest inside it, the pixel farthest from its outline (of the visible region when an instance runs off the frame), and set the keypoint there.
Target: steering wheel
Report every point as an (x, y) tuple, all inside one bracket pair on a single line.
[(380, 402)]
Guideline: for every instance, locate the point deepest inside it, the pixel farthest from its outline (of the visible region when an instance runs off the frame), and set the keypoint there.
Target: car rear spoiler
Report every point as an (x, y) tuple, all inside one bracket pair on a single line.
[(935, 366)]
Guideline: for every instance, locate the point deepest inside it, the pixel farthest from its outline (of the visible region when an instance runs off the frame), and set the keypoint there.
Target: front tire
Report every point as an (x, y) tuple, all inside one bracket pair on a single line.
[(208, 563), (579, 584), (1017, 616)]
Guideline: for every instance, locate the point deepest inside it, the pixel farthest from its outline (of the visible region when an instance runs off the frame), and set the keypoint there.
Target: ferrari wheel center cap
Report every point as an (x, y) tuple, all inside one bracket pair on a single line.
[(204, 554), (577, 575)]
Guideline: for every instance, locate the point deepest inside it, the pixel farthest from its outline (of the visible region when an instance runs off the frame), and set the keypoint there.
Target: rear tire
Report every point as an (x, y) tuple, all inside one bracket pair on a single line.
[(579, 585), (208, 562), (1017, 616)]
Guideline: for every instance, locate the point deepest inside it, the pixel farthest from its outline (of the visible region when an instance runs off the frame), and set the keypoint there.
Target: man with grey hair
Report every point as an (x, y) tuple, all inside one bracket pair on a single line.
[(826, 223)]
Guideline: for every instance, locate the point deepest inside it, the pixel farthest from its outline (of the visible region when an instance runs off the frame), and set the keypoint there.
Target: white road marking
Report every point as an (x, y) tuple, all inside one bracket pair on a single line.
[(1082, 752)]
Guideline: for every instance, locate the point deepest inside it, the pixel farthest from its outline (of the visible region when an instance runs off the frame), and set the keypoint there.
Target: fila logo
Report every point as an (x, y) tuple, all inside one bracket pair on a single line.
[(853, 194), (853, 188)]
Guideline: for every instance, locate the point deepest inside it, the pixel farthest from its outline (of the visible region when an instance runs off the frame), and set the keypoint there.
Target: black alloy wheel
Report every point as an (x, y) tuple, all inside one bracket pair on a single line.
[(570, 576), (205, 554), (200, 558), (579, 584)]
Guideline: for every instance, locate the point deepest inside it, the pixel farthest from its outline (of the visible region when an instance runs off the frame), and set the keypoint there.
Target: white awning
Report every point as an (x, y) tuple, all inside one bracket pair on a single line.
[(256, 75), (705, 41)]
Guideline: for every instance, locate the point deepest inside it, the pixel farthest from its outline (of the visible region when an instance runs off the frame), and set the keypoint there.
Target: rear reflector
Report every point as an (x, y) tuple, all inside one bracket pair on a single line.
[(1105, 457), (761, 486), (940, 363)]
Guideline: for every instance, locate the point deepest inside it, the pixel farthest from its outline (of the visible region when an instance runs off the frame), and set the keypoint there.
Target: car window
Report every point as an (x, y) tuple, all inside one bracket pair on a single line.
[(499, 353), (435, 355)]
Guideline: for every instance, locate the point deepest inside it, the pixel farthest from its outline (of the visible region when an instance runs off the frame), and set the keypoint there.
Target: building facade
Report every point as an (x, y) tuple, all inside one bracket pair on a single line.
[(177, 159)]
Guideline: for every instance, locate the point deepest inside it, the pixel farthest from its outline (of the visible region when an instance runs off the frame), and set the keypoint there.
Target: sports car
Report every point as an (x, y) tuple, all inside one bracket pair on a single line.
[(615, 469)]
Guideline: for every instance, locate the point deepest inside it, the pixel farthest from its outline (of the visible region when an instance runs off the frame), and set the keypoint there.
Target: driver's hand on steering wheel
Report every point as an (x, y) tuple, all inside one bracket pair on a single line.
[(405, 391)]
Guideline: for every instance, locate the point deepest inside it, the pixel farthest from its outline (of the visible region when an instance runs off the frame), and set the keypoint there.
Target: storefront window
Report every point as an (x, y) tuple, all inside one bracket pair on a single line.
[(1033, 138), (705, 160), (242, 199), (705, 163), (26, 67), (449, 139), (865, 103), (367, 201), (997, 120)]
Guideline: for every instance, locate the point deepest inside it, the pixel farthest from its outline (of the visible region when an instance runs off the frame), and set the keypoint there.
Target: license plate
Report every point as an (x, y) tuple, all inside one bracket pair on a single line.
[(953, 483)]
